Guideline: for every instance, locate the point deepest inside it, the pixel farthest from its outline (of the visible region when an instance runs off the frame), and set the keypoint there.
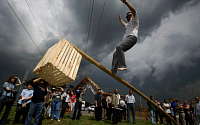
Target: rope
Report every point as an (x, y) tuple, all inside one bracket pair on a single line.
[(36, 23), (24, 27)]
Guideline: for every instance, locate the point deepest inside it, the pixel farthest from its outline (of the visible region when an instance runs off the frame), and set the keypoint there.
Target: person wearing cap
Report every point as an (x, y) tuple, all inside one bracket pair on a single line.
[(98, 105), (129, 39), (130, 100), (152, 110), (38, 101)]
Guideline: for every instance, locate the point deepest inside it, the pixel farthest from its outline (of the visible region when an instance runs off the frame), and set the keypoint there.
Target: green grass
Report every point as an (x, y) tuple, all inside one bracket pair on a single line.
[(84, 120)]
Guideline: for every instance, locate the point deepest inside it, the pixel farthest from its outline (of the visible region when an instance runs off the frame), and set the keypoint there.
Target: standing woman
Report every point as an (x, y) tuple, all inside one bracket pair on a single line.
[(9, 85), (72, 103), (55, 103), (66, 100)]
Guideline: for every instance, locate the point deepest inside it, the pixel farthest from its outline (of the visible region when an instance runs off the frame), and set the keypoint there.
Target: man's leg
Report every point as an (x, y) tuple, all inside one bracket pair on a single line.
[(114, 116), (122, 47), (161, 118), (133, 113), (114, 63), (31, 111), (152, 122), (182, 115), (38, 112), (79, 110), (124, 112), (128, 112)]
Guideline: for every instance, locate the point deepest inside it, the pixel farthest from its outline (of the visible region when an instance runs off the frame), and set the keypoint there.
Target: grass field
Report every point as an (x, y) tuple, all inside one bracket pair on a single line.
[(84, 120)]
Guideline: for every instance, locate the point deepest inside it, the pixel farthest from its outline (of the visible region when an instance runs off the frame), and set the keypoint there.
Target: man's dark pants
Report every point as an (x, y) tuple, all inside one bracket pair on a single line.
[(114, 116), (160, 115), (98, 112), (109, 111), (78, 107), (118, 56), (64, 106)]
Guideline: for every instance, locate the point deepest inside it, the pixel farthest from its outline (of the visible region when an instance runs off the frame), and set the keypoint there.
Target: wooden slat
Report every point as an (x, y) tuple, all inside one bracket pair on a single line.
[(59, 58), (55, 56), (69, 60), (71, 64), (66, 59), (43, 58), (77, 67), (54, 48), (74, 65), (49, 66), (64, 81)]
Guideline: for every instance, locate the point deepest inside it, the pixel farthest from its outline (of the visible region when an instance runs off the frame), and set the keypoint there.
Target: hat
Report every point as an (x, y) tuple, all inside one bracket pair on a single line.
[(151, 96), (53, 88)]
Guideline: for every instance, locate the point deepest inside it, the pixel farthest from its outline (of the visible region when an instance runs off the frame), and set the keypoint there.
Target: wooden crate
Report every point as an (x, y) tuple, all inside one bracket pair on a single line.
[(60, 64)]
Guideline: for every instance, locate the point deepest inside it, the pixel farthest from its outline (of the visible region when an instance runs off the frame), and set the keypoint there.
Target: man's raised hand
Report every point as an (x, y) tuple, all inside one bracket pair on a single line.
[(123, 1)]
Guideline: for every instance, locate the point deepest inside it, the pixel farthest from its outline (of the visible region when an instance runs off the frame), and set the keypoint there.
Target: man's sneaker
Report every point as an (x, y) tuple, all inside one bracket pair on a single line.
[(58, 120)]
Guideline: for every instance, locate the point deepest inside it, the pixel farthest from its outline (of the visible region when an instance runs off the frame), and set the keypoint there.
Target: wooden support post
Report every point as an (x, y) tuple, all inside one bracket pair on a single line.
[(122, 81)]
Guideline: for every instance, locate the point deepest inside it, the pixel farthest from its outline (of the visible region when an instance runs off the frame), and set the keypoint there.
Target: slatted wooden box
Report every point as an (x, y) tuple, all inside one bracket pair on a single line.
[(60, 64)]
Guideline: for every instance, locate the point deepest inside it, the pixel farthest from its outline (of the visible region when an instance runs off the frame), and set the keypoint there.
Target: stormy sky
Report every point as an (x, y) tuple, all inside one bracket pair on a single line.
[(162, 63)]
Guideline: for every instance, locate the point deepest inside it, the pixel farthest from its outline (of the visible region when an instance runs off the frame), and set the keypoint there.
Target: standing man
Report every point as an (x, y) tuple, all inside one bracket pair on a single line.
[(78, 105), (152, 110), (98, 104), (37, 102), (130, 100), (129, 39), (197, 111), (115, 105), (109, 106)]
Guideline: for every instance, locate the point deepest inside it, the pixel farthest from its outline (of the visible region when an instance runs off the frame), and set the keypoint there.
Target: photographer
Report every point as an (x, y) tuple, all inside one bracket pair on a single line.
[(7, 95), (79, 93)]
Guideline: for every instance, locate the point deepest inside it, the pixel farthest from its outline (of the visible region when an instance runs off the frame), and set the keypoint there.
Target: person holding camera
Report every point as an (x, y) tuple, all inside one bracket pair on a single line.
[(78, 105), (7, 97)]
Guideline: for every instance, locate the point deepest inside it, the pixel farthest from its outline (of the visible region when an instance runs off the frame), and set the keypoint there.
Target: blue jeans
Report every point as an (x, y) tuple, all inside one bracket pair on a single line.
[(34, 108), (7, 111), (152, 117), (130, 106), (55, 107)]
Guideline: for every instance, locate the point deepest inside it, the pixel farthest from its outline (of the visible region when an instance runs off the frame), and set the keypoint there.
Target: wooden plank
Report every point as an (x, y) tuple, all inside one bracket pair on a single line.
[(77, 67), (55, 47), (56, 76), (39, 64), (74, 65), (55, 56), (62, 76), (122, 81), (51, 74), (58, 60), (66, 59), (49, 66), (64, 81), (71, 64), (69, 60)]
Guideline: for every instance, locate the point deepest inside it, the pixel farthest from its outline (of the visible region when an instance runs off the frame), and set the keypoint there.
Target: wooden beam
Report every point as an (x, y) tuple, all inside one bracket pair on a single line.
[(121, 81)]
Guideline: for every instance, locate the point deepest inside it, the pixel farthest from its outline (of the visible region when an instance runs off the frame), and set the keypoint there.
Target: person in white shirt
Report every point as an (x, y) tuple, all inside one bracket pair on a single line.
[(66, 100), (167, 110), (197, 111), (129, 39), (130, 100), (122, 106)]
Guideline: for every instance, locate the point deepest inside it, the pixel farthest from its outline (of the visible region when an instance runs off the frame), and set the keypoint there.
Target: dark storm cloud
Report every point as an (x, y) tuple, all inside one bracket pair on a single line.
[(18, 52)]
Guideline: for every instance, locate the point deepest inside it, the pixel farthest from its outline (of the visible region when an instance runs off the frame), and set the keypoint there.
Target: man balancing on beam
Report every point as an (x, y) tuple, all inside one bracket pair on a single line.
[(129, 39)]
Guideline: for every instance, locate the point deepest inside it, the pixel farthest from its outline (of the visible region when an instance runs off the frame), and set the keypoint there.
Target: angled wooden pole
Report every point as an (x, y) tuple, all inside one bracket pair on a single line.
[(122, 81)]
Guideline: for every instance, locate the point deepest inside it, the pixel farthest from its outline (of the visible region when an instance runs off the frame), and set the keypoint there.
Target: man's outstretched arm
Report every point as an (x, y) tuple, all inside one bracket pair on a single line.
[(120, 19), (131, 8)]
